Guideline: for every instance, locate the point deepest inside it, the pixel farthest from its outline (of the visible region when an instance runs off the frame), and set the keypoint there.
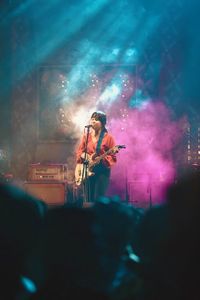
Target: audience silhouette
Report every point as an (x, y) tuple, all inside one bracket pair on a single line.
[(110, 250), (167, 243), (21, 218)]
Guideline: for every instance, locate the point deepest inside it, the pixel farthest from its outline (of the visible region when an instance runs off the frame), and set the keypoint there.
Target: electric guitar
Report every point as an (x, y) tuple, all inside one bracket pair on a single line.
[(82, 171)]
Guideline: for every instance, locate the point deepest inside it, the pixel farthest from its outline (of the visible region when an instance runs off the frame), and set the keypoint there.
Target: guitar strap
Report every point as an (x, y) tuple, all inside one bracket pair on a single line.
[(100, 141)]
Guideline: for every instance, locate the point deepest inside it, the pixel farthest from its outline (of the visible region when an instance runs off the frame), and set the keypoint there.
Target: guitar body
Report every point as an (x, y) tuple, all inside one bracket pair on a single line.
[(93, 160), (80, 175)]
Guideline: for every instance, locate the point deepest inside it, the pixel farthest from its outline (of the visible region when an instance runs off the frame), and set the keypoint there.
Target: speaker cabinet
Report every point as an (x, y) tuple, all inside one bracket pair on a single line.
[(50, 193), (139, 194)]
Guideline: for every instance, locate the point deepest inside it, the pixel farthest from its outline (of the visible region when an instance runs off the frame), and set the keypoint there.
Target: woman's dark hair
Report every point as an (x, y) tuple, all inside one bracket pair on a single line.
[(100, 116)]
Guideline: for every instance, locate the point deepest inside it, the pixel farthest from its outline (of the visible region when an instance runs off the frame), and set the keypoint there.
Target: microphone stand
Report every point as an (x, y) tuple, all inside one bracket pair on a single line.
[(86, 189)]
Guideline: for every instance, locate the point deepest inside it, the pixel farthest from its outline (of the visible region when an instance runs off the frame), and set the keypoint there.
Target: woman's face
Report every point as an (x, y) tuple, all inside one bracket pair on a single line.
[(96, 124)]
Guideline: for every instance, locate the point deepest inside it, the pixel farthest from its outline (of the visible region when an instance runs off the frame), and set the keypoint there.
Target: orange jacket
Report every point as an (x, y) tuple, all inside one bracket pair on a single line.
[(108, 142)]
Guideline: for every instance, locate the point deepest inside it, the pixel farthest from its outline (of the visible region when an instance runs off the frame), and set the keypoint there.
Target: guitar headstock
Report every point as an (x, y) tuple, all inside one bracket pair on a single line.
[(121, 146), (116, 148)]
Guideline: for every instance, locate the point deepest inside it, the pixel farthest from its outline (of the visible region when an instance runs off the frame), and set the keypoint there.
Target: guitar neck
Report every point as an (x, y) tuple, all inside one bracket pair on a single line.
[(100, 157), (104, 154)]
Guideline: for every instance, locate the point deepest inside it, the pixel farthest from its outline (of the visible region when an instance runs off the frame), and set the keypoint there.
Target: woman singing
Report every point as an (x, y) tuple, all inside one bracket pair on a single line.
[(95, 156)]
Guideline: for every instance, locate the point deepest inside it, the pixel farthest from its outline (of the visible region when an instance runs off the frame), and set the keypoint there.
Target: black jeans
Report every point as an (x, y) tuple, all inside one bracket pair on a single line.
[(95, 186)]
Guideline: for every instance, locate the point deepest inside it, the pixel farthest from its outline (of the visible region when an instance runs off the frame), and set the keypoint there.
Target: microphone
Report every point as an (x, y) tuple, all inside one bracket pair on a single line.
[(88, 126)]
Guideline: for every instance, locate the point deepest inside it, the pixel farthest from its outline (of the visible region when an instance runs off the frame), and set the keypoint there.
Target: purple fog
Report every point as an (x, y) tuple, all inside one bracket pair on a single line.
[(146, 167)]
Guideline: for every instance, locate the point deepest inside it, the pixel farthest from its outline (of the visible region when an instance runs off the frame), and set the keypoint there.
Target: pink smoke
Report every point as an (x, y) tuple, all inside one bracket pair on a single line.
[(146, 168)]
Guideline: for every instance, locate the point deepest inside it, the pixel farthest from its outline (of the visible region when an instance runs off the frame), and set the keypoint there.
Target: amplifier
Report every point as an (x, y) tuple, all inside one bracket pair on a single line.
[(50, 193), (48, 172)]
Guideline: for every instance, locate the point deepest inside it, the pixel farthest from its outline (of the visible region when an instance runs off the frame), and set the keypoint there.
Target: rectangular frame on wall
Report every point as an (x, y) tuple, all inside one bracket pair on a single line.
[(55, 143), (50, 112), (61, 87)]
